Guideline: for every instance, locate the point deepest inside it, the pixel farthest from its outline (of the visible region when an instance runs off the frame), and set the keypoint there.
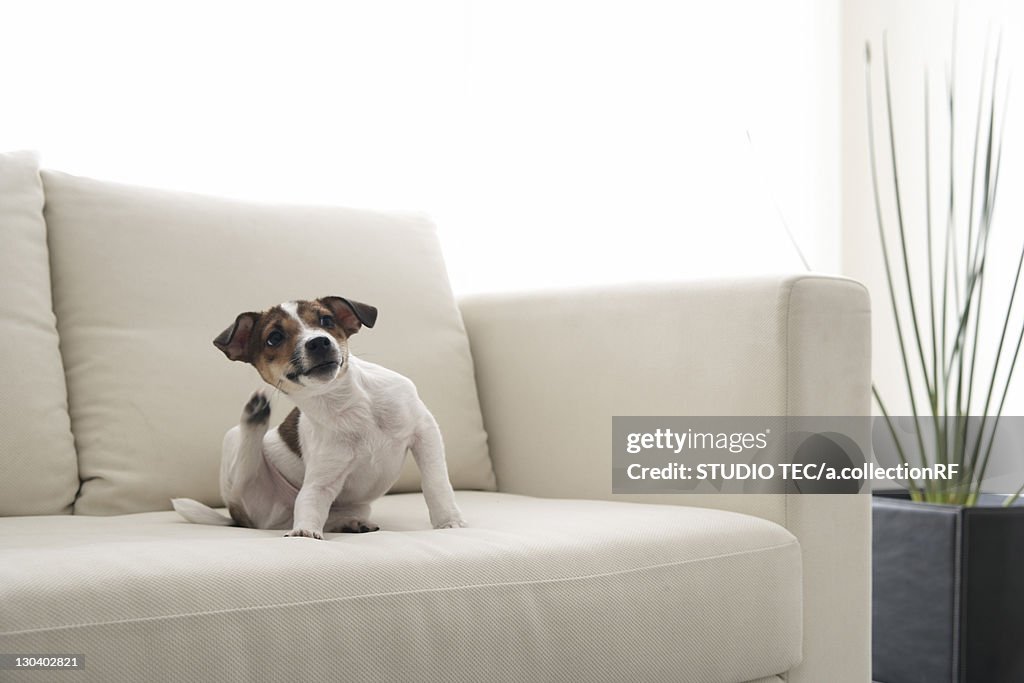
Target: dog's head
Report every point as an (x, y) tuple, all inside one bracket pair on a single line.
[(297, 346)]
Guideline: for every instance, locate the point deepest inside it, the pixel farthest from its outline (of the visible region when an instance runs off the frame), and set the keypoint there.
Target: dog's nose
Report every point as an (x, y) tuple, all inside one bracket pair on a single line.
[(318, 343)]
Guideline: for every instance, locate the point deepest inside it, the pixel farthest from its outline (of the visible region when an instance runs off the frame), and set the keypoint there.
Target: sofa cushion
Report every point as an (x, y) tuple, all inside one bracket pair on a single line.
[(145, 279), (535, 590), (38, 468)]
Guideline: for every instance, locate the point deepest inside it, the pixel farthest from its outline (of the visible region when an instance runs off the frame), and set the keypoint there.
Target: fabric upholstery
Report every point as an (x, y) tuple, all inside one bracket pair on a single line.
[(534, 590), (145, 279), (796, 345), (38, 466)]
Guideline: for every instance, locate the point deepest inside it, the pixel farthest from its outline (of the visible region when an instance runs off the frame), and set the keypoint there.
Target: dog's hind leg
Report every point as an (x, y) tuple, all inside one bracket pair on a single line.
[(350, 519), (242, 463)]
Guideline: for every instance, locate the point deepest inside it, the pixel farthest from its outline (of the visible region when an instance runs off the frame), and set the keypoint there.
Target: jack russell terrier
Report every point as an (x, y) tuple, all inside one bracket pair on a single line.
[(341, 448)]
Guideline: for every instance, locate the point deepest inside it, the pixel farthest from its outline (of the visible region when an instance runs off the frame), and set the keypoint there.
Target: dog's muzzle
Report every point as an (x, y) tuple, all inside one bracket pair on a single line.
[(321, 360)]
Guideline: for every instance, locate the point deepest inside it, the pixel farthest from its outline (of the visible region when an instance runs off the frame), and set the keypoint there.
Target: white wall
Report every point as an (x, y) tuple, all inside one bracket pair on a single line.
[(556, 143)]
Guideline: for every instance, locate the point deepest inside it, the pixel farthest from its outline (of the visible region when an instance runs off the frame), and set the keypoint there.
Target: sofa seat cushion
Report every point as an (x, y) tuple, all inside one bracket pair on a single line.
[(535, 589)]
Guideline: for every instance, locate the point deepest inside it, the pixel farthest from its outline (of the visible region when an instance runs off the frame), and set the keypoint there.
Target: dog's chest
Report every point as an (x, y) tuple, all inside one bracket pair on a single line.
[(369, 457), (355, 436)]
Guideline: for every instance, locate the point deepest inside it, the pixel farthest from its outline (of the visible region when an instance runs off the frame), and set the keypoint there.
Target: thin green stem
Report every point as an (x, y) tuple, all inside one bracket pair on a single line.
[(984, 228), (885, 251), (940, 451), (963, 389), (915, 492), (900, 223), (928, 235), (1013, 499), (1002, 403), (974, 165)]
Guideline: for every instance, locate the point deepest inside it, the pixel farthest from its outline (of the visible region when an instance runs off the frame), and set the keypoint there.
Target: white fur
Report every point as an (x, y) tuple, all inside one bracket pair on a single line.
[(194, 511), (355, 429)]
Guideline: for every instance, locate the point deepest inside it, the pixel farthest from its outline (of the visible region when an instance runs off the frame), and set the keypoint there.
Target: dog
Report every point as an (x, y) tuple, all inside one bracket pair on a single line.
[(341, 448)]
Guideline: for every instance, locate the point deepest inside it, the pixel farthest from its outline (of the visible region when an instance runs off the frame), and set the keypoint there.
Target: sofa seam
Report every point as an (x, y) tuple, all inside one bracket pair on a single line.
[(787, 386), (477, 387), (419, 591), (61, 345), (791, 285)]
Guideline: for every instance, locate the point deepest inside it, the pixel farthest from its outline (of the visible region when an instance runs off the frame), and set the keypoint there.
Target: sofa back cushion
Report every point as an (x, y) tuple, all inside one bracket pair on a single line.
[(145, 279), (38, 468)]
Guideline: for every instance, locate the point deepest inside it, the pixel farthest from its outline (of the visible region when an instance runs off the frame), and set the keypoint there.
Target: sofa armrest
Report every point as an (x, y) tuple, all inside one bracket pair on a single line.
[(553, 368)]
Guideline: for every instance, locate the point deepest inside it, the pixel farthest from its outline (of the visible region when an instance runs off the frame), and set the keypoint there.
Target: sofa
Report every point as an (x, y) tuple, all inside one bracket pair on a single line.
[(116, 401)]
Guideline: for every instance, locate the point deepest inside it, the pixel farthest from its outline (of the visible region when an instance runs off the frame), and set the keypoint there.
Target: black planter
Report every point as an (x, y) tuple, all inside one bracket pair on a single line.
[(948, 592)]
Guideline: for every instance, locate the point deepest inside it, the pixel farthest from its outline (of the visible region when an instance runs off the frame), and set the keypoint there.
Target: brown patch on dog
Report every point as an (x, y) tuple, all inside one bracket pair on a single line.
[(351, 315), (313, 313), (234, 341), (289, 431), (272, 362)]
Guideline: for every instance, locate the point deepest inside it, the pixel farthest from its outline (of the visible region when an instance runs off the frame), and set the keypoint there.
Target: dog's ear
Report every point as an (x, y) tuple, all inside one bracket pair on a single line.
[(234, 341), (351, 315)]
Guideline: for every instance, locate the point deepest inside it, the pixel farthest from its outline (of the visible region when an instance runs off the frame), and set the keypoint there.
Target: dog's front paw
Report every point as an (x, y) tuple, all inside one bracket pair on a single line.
[(453, 522), (304, 533), (257, 410), (356, 526)]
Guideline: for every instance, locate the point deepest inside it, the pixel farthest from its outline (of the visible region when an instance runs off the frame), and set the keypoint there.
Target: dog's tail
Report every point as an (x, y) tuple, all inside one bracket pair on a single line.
[(197, 513)]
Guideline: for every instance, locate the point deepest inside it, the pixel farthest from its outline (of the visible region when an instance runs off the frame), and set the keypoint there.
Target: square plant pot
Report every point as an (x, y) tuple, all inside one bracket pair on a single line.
[(948, 591)]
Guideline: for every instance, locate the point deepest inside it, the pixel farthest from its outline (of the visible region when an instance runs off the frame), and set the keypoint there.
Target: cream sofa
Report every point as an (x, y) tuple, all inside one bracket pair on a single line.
[(115, 401)]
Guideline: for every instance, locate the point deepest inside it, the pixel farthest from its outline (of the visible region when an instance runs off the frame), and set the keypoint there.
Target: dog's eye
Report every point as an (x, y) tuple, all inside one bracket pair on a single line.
[(274, 338), (326, 321)]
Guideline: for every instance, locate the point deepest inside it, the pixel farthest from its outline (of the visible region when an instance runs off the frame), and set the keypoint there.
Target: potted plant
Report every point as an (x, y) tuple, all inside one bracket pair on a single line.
[(948, 568)]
